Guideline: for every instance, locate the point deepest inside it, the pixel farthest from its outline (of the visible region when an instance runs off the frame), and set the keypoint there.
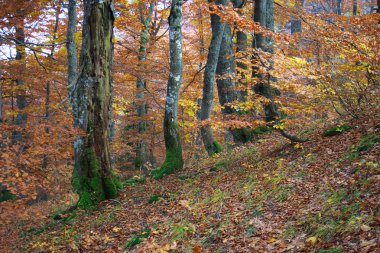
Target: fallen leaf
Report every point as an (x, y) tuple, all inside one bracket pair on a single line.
[(311, 240)]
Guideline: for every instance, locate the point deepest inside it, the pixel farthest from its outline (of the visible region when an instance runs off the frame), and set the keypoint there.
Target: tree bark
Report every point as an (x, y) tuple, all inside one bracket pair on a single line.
[(143, 153), (296, 24), (21, 102), (211, 145), (173, 159), (93, 178), (71, 50), (264, 14)]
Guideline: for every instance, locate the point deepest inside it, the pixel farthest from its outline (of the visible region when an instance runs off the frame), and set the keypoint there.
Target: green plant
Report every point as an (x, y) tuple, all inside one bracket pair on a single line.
[(137, 238), (336, 130)]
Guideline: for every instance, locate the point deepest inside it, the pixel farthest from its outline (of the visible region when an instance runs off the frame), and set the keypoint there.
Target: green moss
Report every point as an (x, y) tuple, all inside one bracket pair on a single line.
[(336, 130), (5, 194), (217, 147), (173, 162), (92, 187), (110, 188)]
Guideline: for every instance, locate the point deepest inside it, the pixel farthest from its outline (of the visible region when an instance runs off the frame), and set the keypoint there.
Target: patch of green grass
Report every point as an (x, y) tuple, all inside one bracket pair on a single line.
[(330, 250), (340, 214), (365, 143), (137, 238), (300, 174), (289, 232), (135, 180), (336, 130), (180, 230), (156, 198), (250, 231)]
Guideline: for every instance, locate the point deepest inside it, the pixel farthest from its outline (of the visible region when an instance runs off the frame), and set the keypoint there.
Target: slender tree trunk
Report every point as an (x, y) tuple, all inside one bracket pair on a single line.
[(338, 9), (355, 7), (45, 158), (21, 102), (71, 50), (242, 45), (143, 153), (173, 159), (296, 24), (47, 115), (1, 103), (93, 178), (264, 14), (211, 145)]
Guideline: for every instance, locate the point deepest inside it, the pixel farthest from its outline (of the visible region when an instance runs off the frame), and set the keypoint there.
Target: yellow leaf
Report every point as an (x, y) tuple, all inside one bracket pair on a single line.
[(116, 229), (272, 240), (311, 240)]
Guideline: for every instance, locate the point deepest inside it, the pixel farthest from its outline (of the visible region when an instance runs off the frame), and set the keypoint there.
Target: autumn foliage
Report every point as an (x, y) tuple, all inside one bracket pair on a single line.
[(325, 71)]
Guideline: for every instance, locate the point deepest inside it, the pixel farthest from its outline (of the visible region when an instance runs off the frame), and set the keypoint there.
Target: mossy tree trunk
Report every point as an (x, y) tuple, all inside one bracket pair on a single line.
[(93, 178), (211, 145), (143, 153), (173, 160)]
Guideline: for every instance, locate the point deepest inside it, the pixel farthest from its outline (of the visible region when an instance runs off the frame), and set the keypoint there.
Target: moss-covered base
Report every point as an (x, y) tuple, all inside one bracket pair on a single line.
[(173, 162), (217, 147), (5, 194), (91, 185)]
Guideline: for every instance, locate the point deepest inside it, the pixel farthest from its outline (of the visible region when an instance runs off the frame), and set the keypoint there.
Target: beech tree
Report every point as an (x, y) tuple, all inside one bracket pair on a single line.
[(173, 158), (93, 178), (217, 27)]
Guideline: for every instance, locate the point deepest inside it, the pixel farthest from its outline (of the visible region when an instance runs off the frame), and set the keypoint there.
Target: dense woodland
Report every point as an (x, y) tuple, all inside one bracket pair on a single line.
[(189, 126)]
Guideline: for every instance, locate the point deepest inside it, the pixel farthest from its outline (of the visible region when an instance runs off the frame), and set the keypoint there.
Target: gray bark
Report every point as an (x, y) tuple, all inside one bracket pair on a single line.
[(71, 50), (173, 159), (143, 153), (217, 27), (225, 71), (296, 24)]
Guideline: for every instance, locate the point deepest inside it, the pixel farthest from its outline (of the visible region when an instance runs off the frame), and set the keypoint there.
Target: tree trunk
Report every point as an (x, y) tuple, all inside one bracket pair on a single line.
[(93, 178), (338, 9), (225, 70), (296, 24), (211, 145), (71, 50), (173, 159), (264, 14), (355, 7), (21, 102), (143, 153), (242, 45)]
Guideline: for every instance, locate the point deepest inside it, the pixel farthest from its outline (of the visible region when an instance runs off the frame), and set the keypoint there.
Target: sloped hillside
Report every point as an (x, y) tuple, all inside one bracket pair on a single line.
[(271, 196)]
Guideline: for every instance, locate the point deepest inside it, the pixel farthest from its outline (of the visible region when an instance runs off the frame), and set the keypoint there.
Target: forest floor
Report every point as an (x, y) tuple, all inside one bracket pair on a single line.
[(270, 196)]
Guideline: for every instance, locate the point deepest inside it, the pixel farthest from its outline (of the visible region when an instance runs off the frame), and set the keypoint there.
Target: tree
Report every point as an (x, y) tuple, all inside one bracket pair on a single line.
[(142, 150), (173, 158), (217, 27), (93, 178)]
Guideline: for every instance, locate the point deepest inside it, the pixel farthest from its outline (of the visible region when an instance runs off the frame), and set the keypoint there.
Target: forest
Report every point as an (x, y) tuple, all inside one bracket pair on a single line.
[(190, 126)]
